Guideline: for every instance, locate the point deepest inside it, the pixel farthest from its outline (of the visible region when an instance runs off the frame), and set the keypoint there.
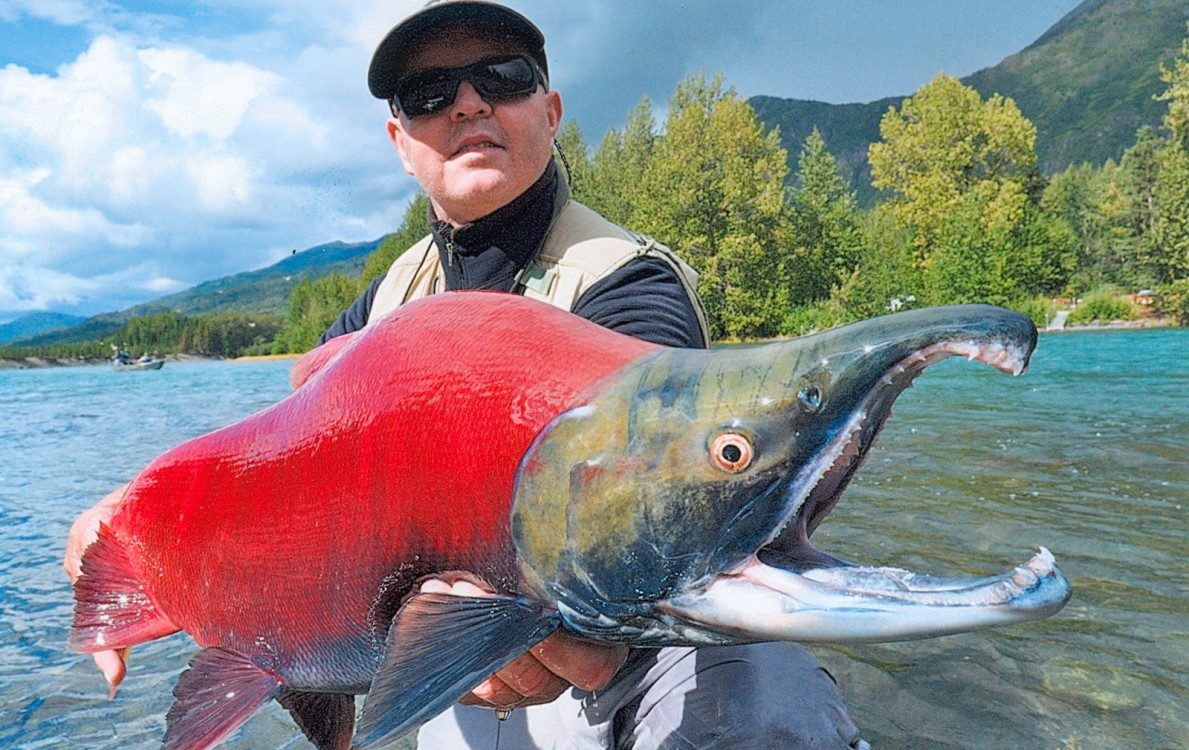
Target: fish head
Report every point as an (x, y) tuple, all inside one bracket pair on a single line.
[(676, 504)]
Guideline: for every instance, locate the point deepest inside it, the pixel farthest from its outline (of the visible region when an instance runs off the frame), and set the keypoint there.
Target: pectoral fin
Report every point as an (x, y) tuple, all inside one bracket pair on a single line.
[(439, 648)]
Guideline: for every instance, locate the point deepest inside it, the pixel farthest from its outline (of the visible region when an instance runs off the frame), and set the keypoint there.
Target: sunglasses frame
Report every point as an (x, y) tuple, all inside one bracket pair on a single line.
[(472, 74)]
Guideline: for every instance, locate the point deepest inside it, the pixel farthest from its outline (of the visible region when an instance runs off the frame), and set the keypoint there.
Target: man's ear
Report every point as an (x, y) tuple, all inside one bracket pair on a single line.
[(399, 138), (553, 110)]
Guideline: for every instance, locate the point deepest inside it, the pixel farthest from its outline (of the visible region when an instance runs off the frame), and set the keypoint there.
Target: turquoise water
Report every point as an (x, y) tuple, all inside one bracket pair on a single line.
[(1087, 454)]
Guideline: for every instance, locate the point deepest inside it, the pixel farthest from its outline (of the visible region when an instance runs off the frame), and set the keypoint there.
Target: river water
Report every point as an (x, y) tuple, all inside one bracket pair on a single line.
[(1087, 454)]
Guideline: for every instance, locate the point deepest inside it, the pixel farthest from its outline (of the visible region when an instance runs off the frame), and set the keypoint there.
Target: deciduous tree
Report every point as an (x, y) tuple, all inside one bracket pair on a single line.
[(714, 192)]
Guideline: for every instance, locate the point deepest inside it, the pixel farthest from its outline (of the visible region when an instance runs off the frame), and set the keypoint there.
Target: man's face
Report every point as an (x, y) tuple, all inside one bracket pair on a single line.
[(474, 156)]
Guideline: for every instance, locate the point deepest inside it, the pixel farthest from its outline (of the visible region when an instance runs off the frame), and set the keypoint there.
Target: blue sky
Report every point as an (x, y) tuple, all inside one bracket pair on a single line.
[(149, 146)]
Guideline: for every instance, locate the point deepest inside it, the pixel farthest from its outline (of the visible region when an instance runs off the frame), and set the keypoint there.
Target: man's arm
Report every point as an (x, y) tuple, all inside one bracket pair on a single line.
[(647, 300)]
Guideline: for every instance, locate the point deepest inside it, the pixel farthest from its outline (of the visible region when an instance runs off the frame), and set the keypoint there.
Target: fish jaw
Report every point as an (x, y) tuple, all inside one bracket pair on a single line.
[(854, 604), (623, 519)]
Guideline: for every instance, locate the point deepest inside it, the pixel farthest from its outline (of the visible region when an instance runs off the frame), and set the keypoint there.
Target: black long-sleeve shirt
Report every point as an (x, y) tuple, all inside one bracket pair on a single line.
[(645, 298)]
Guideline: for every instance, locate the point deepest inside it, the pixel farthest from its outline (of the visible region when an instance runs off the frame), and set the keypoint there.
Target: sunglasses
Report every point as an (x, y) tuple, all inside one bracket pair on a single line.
[(496, 79)]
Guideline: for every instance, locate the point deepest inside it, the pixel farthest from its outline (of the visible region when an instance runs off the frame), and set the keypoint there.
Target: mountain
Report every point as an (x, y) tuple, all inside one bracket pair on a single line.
[(1088, 83), (265, 290), (35, 323)]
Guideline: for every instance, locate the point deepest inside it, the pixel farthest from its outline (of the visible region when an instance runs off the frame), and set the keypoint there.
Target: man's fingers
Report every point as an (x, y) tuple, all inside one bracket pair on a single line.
[(494, 692), (111, 664), (589, 666), (547, 670), (532, 679)]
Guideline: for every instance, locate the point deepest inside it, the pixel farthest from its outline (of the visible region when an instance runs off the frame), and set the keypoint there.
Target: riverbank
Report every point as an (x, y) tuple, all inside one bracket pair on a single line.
[(29, 363), (32, 363), (1114, 325)]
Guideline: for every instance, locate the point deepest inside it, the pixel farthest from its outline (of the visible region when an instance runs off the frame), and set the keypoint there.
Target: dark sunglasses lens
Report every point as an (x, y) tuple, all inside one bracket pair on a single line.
[(426, 94), (434, 90), (514, 77)]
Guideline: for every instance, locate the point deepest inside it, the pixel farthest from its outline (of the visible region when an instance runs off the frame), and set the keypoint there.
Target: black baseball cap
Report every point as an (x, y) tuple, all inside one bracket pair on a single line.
[(388, 62)]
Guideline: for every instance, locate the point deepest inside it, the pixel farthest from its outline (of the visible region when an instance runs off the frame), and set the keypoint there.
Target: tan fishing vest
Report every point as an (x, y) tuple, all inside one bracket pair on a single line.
[(580, 249)]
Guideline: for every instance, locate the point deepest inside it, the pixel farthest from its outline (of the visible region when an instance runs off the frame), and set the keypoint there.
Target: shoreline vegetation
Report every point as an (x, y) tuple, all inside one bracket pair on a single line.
[(35, 363)]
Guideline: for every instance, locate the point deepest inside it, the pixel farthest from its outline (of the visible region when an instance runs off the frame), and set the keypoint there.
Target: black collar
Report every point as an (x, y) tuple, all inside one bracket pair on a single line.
[(489, 252)]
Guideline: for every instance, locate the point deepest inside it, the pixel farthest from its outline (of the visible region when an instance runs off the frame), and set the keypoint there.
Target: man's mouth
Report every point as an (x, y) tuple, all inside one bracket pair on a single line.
[(482, 145)]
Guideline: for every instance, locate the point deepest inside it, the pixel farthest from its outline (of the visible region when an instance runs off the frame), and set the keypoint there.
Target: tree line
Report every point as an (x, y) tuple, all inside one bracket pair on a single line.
[(223, 334), (964, 214)]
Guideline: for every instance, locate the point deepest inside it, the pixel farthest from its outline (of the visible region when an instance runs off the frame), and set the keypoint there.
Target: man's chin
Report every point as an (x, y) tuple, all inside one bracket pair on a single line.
[(475, 193)]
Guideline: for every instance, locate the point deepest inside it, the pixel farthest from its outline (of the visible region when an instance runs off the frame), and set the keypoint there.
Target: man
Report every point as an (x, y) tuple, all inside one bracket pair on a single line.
[(473, 121)]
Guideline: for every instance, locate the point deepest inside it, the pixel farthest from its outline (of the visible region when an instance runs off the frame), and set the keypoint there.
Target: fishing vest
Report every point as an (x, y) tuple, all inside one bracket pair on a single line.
[(580, 249)]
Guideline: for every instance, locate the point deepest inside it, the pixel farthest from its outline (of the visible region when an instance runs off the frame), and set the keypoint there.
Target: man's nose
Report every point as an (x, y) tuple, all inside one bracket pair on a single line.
[(468, 102)]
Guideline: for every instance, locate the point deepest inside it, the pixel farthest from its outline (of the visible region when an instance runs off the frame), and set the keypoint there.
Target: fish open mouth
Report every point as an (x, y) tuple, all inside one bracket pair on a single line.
[(828, 475), (789, 589)]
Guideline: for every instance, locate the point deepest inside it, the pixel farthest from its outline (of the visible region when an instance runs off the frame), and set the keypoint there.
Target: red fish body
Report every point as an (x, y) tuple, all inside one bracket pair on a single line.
[(617, 490), (291, 536)]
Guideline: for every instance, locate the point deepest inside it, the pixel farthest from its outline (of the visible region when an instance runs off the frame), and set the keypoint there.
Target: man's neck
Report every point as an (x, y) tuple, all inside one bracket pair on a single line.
[(489, 252)]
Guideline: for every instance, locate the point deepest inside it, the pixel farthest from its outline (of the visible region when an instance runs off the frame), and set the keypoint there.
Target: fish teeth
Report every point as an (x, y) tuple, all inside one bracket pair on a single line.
[(1024, 577)]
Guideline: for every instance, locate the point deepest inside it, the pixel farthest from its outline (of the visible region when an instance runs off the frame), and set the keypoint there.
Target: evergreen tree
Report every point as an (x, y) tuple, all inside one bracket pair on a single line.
[(826, 237), (1176, 120), (887, 276), (1166, 256), (1093, 205), (619, 164), (313, 307), (574, 158)]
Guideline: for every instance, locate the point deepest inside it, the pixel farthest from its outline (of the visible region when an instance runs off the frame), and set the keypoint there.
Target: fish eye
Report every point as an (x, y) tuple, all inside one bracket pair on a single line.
[(811, 397), (731, 452)]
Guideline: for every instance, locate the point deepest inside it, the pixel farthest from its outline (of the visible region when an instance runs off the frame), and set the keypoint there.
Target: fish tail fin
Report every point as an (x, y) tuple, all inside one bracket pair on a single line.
[(111, 608), (217, 694)]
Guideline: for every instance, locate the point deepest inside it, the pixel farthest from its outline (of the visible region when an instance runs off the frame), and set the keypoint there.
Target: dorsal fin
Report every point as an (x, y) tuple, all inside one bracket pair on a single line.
[(315, 359)]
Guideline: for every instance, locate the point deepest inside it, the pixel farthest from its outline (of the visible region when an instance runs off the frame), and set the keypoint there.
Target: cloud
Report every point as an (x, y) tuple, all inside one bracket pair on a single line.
[(204, 166), (61, 12), (196, 96)]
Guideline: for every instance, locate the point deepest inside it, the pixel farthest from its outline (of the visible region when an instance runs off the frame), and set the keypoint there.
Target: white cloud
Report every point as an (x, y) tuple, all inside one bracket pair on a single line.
[(62, 12), (197, 96), (35, 227), (135, 151), (223, 181)]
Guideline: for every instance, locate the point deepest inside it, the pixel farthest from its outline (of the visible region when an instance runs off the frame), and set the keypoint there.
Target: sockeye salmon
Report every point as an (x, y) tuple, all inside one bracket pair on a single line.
[(618, 490)]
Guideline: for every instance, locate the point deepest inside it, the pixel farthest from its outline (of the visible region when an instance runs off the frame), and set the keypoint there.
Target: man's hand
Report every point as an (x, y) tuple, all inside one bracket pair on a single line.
[(83, 532), (545, 671)]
